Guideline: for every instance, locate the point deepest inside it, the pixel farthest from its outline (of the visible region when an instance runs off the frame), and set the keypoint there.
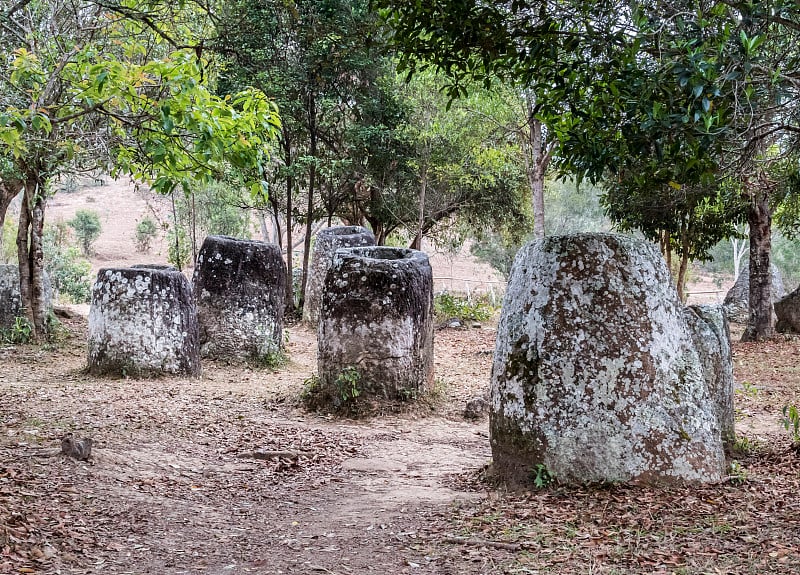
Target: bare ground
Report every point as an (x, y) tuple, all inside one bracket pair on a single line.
[(175, 485)]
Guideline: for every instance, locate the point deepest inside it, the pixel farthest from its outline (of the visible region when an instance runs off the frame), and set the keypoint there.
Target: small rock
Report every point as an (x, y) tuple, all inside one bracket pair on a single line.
[(80, 449), (453, 323), (476, 408)]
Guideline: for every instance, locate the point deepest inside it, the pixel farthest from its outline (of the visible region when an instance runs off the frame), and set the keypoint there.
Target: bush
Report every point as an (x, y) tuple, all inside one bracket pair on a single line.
[(447, 306), (86, 224), (70, 273), (145, 234), (180, 250)]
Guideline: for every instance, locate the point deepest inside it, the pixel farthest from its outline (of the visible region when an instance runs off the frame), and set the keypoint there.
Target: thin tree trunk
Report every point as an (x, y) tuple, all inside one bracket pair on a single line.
[(312, 180), (309, 229), (684, 266), (23, 227), (287, 149), (31, 257), (536, 158), (417, 243), (759, 322)]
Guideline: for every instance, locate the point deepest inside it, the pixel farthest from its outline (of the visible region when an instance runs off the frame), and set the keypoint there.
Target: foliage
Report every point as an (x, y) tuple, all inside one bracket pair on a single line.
[(347, 384), (86, 224), (146, 231), (655, 97), (19, 333), (447, 306), (179, 247), (122, 86), (736, 472), (69, 272), (791, 422), (541, 476)]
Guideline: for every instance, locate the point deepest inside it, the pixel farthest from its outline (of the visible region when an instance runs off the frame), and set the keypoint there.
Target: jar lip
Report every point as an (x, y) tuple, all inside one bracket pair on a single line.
[(345, 231), (382, 253)]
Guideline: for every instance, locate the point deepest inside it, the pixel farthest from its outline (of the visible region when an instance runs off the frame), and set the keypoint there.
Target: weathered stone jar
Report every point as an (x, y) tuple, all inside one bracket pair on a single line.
[(239, 286), (596, 374), (143, 321), (375, 333), (327, 242)]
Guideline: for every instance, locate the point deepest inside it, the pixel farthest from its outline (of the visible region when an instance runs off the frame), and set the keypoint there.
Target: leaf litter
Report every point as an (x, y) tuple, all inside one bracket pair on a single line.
[(226, 474)]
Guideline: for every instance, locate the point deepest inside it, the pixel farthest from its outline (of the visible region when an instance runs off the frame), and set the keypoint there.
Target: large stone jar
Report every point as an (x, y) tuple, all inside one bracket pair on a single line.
[(239, 286), (143, 321), (375, 333), (326, 243), (596, 376)]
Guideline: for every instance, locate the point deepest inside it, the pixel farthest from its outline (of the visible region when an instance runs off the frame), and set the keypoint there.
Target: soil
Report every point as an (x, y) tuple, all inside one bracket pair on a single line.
[(227, 473)]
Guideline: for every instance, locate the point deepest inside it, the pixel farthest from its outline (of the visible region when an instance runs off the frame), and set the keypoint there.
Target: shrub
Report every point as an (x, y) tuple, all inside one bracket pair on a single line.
[(86, 224), (145, 234), (70, 273), (449, 306)]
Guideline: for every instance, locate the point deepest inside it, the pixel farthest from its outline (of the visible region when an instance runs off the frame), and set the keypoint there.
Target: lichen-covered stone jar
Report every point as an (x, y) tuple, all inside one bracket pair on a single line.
[(326, 243), (375, 333), (239, 286), (143, 321), (596, 377)]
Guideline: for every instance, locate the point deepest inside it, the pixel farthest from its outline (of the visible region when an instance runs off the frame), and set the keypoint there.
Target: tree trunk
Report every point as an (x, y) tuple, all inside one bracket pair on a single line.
[(759, 323), (287, 149), (536, 159), (684, 266), (417, 243), (312, 173), (31, 257), (312, 181)]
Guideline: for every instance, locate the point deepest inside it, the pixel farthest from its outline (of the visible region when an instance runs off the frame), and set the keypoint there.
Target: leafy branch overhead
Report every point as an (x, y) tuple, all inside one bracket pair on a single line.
[(121, 86)]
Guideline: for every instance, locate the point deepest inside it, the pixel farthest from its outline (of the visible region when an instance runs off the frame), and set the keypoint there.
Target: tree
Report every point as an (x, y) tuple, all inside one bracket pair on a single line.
[(313, 58), (117, 85), (425, 169), (725, 70)]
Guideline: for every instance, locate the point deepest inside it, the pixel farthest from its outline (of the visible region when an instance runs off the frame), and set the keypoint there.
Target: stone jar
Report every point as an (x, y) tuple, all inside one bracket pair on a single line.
[(326, 243), (596, 374), (143, 321), (375, 333), (239, 286)]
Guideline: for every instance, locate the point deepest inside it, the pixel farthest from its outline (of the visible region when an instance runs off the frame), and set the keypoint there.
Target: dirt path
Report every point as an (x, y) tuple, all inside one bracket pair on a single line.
[(173, 486)]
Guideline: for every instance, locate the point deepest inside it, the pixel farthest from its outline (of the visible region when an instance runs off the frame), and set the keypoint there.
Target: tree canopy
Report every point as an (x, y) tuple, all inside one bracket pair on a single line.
[(121, 86)]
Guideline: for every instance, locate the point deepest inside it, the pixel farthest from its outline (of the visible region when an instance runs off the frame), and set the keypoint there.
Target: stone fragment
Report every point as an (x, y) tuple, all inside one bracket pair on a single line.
[(326, 243), (596, 375), (375, 333), (712, 340), (737, 300), (239, 287), (787, 310), (143, 321)]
